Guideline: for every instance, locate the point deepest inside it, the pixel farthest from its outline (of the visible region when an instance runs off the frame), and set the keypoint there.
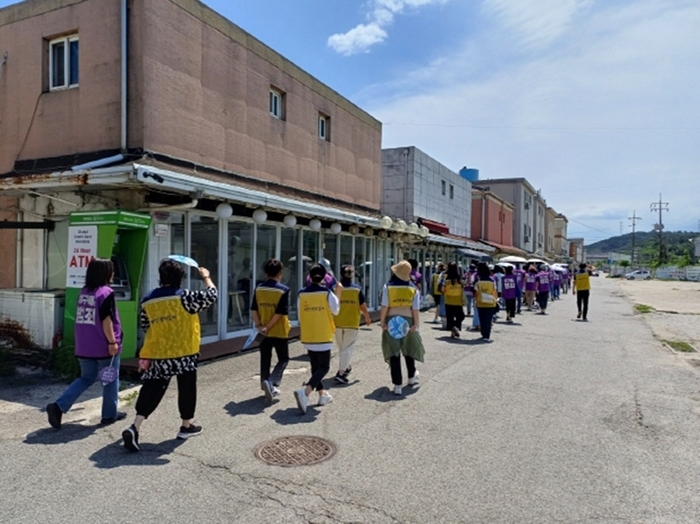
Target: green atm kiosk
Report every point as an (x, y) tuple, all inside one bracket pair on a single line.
[(121, 236)]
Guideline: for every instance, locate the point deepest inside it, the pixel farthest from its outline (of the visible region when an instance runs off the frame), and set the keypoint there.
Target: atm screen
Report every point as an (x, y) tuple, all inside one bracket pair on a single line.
[(120, 281)]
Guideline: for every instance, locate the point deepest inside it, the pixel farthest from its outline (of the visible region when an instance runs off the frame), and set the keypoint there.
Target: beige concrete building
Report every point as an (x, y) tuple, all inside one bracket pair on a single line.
[(166, 107)]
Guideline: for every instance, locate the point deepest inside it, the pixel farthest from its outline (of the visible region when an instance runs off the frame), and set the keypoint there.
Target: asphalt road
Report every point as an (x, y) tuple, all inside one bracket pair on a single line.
[(555, 421)]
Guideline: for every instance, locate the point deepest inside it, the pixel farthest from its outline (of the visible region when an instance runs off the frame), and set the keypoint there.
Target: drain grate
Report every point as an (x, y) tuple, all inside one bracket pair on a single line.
[(295, 451)]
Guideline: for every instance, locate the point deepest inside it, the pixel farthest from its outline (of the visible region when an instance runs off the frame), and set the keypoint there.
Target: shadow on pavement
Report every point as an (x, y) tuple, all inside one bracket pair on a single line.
[(115, 456), (289, 416), (67, 433), (463, 341), (251, 406), (384, 394)]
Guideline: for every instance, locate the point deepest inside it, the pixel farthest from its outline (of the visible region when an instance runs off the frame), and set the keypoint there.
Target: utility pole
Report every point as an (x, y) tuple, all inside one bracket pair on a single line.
[(660, 206), (634, 219)]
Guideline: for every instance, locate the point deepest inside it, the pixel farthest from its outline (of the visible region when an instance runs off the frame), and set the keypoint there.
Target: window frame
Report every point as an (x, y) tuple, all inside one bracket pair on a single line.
[(278, 95), (444, 188), (66, 41), (452, 192), (325, 122)]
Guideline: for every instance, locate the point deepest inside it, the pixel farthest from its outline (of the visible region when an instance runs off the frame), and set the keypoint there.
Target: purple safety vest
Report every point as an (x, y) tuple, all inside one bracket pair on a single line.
[(90, 339)]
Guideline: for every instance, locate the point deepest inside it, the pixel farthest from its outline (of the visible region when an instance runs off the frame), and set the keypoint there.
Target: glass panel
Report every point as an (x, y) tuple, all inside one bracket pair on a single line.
[(290, 277), (311, 242), (58, 64), (56, 255), (346, 250), (330, 244), (205, 250), (362, 264), (177, 234), (74, 62), (240, 274)]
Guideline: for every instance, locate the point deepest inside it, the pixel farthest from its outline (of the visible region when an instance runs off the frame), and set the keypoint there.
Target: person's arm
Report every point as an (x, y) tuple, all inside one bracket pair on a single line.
[(573, 285), (338, 290), (195, 301), (365, 312), (107, 313), (333, 303), (415, 312), (382, 318)]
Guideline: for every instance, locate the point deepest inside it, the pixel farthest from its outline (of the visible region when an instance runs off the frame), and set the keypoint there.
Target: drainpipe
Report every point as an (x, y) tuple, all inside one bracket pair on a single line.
[(483, 213), (124, 78), (188, 205)]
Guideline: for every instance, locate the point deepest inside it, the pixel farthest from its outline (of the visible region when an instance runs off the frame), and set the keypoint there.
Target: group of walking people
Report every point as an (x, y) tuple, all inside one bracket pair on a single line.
[(329, 310), (486, 290)]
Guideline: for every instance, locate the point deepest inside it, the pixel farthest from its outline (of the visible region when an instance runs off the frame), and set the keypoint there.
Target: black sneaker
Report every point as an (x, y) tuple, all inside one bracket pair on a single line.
[(340, 378), (347, 371), (55, 414), (190, 431), (579, 315), (120, 416), (131, 438)]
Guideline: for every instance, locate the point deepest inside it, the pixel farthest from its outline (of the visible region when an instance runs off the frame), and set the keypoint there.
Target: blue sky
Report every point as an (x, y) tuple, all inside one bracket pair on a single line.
[(595, 102)]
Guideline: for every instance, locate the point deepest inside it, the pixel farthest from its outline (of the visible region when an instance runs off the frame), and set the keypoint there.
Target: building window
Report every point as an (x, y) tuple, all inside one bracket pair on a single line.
[(452, 192), (277, 104), (64, 62), (324, 127), (444, 188)]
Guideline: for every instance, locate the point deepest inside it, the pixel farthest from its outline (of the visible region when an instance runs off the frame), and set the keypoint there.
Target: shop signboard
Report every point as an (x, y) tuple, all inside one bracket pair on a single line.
[(82, 248)]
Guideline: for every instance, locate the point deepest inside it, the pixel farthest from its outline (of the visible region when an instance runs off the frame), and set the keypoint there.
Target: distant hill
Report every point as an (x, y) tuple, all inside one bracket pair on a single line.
[(677, 247)]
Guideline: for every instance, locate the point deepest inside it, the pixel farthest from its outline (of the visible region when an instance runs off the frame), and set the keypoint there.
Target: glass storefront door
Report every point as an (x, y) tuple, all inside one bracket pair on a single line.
[(289, 255), (204, 248), (239, 263)]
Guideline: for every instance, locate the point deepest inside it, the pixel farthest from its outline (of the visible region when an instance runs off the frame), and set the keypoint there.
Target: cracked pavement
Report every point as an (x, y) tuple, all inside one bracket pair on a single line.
[(555, 421)]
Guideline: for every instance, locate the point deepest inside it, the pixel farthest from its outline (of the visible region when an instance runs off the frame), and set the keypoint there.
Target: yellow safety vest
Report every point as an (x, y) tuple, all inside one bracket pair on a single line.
[(315, 318), (268, 298), (401, 296), (454, 293), (436, 287), (349, 315), (173, 332), (485, 294), (583, 281)]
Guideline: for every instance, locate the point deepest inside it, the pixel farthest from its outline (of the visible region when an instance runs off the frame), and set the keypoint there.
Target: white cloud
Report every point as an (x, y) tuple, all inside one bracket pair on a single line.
[(600, 113), (363, 36)]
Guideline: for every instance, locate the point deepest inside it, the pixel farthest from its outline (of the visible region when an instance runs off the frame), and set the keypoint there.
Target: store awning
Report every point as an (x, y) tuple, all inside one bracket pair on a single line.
[(476, 255), (510, 250), (435, 227)]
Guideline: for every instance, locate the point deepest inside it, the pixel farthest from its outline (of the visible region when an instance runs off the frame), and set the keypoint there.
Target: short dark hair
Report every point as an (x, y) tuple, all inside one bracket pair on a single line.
[(170, 273), (99, 273), (483, 271), (582, 266), (347, 270), (509, 270), (414, 263), (272, 267), (317, 273)]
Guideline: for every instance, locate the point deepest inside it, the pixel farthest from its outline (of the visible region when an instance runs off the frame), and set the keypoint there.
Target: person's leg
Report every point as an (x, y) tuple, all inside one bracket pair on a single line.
[(518, 301), (187, 396), (345, 356), (510, 308), (586, 295), (489, 313), (152, 392), (395, 366), (410, 367), (437, 307), (484, 320), (320, 365), (475, 319), (579, 302), (450, 319), (470, 303), (110, 392), (88, 375), (265, 358), (281, 346)]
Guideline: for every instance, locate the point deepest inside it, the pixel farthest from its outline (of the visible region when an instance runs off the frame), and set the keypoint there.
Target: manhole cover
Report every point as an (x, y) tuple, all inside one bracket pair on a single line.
[(295, 451)]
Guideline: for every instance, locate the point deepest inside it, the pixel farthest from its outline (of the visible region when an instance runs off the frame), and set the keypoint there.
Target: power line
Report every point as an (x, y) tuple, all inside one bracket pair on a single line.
[(660, 206), (634, 219)]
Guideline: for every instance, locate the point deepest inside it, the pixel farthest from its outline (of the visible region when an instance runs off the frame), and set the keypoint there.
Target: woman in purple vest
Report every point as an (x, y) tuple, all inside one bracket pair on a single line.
[(542, 280), (98, 343), (509, 284)]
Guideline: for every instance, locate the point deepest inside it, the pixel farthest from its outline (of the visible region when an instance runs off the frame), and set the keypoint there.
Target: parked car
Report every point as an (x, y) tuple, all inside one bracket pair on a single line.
[(639, 274)]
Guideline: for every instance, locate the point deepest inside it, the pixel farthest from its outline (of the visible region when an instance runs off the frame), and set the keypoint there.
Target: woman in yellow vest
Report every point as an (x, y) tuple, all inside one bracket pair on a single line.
[(270, 313), (400, 298), (169, 317), (436, 291), (453, 292), (347, 321), (582, 290), (316, 305), (486, 298)]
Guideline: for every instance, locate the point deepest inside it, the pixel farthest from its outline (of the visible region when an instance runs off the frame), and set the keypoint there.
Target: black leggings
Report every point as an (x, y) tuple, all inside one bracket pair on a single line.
[(395, 365), (510, 307), (582, 302), (281, 346), (153, 389), (320, 366)]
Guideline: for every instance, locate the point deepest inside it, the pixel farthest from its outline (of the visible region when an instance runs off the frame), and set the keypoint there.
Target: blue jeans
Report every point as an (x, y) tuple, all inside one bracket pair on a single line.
[(470, 302), (89, 369), (475, 318)]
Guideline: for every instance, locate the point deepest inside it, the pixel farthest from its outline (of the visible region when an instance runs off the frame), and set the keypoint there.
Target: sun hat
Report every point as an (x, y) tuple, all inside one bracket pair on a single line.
[(402, 270)]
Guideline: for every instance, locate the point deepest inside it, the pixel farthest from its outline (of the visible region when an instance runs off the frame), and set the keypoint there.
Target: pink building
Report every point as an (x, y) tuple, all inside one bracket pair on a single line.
[(167, 108), (492, 221)]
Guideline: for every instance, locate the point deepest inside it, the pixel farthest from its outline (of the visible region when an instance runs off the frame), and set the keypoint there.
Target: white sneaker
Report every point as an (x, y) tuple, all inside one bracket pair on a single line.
[(414, 379), (324, 399), (397, 390), (275, 391), (302, 399)]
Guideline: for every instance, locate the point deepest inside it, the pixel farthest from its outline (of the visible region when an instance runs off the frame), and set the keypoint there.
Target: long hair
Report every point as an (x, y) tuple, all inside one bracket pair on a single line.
[(483, 271), (99, 273), (453, 273)]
